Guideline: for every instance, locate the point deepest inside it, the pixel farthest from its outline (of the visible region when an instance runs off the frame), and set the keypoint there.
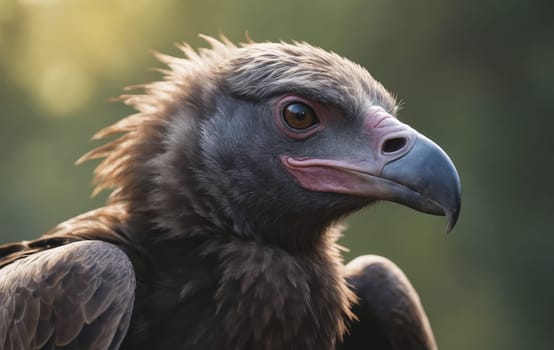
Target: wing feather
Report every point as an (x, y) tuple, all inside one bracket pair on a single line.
[(76, 296), (389, 312)]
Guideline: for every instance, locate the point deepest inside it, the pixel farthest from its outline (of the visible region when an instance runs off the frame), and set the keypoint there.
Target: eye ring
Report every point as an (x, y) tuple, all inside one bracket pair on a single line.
[(299, 116)]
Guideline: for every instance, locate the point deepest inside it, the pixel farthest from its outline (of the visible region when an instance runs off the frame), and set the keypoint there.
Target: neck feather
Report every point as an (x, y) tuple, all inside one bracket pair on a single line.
[(270, 299)]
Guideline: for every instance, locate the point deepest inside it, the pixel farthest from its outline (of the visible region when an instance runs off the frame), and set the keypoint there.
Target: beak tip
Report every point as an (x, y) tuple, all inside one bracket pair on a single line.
[(449, 227), (452, 219)]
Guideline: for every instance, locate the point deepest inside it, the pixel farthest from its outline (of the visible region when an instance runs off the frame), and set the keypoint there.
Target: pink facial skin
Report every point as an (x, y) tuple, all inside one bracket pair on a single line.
[(322, 175), (380, 127), (325, 175)]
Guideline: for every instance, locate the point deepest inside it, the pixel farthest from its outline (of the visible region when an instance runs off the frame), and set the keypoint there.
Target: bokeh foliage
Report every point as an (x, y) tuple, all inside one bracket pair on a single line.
[(477, 77)]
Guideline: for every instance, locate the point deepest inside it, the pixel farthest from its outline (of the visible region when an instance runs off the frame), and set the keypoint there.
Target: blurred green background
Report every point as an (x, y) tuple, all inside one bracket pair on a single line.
[(478, 78)]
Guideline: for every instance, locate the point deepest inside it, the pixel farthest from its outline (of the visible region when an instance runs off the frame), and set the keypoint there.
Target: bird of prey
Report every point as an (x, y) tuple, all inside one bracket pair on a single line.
[(228, 188)]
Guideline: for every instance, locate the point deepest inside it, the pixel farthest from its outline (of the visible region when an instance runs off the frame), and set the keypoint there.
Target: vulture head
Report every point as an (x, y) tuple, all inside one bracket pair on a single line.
[(272, 142)]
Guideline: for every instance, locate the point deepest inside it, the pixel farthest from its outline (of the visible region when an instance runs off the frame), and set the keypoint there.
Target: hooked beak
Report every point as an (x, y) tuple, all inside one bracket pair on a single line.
[(419, 175)]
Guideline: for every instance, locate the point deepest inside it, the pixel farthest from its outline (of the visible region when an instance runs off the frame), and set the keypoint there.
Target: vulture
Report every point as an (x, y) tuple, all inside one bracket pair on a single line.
[(228, 186)]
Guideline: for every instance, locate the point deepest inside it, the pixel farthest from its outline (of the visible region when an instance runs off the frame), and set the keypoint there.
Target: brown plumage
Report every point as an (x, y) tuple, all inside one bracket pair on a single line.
[(228, 214)]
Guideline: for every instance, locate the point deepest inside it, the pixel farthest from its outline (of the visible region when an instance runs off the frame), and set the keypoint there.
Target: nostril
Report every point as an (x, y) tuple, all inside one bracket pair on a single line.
[(394, 144)]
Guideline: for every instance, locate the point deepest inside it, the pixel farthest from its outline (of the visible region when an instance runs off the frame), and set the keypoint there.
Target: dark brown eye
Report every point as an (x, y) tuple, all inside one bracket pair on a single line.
[(299, 116)]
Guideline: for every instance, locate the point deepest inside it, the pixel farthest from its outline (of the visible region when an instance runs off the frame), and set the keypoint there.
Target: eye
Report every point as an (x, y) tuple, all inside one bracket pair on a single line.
[(299, 116)]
